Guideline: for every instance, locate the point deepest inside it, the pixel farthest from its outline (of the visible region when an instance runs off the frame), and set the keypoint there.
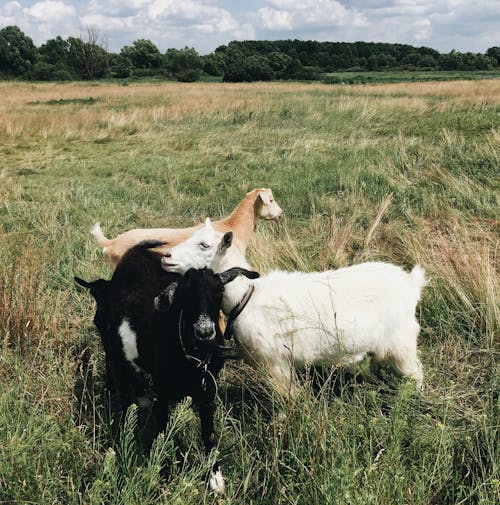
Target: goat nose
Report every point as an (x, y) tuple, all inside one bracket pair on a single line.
[(168, 254), (206, 333)]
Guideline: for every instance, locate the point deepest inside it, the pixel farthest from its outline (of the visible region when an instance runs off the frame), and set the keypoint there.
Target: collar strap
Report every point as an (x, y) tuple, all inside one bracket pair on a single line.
[(237, 311)]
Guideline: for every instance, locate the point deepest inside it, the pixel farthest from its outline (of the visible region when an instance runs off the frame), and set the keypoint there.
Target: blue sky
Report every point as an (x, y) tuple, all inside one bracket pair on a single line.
[(465, 25)]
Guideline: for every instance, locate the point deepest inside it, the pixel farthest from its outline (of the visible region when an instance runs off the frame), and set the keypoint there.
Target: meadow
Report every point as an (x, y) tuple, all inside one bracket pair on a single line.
[(146, 155), (388, 76)]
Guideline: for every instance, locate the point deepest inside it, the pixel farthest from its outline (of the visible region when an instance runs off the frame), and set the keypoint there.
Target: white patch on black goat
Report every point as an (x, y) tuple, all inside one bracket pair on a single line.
[(217, 484), (129, 342)]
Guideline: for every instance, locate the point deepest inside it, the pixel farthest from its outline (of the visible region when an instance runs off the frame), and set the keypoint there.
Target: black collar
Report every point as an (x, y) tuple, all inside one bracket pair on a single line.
[(237, 311)]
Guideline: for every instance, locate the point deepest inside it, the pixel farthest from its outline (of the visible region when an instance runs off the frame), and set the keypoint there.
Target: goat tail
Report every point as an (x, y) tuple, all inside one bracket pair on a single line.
[(96, 231), (418, 278)]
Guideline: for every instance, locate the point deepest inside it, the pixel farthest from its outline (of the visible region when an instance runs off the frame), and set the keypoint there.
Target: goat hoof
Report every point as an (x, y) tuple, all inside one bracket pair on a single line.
[(216, 483)]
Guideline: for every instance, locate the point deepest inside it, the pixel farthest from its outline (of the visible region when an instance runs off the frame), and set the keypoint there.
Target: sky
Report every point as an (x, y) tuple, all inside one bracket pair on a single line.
[(464, 25)]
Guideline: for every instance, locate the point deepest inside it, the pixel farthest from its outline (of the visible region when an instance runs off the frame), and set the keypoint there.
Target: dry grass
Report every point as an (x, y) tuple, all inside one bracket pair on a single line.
[(141, 108), (461, 92)]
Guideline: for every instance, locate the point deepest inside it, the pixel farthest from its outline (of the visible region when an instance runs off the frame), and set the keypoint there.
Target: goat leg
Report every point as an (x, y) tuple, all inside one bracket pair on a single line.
[(215, 480)]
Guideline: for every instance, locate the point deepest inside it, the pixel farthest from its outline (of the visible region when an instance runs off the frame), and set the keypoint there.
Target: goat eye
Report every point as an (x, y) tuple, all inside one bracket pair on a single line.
[(204, 245)]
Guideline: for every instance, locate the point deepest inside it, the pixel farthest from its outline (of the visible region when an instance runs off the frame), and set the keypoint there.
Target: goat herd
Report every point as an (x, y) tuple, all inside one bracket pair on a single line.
[(158, 316)]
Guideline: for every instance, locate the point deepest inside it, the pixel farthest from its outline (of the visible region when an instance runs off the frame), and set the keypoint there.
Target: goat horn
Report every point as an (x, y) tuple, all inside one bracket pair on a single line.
[(232, 273)]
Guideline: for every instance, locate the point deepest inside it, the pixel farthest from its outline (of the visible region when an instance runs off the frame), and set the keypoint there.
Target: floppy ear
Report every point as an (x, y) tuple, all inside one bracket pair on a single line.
[(166, 298), (226, 241), (265, 196), (83, 283), (232, 273), (97, 288)]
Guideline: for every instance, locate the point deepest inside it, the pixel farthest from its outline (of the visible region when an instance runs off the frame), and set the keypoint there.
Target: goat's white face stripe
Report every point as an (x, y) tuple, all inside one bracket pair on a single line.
[(129, 342), (204, 324), (198, 251)]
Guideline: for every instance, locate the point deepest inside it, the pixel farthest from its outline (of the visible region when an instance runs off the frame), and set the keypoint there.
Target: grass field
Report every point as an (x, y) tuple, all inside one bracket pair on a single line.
[(169, 154), (407, 76)]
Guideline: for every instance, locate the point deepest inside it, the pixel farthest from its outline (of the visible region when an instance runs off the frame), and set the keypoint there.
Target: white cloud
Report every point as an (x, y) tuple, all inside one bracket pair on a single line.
[(42, 20), (166, 22), (302, 14), (51, 10), (272, 19)]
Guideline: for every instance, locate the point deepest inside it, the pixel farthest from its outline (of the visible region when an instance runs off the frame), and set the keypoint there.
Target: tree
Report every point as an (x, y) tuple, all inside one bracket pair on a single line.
[(18, 54), (88, 59), (55, 51), (248, 68), (372, 62), (451, 60), (54, 61), (184, 64), (120, 66), (494, 52), (278, 62), (214, 64), (142, 54)]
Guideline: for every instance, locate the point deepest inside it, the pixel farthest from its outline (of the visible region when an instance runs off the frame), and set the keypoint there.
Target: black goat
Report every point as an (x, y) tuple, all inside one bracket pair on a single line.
[(161, 337)]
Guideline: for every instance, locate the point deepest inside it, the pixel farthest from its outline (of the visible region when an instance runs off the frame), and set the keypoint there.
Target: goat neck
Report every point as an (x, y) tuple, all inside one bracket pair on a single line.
[(235, 290), (243, 220)]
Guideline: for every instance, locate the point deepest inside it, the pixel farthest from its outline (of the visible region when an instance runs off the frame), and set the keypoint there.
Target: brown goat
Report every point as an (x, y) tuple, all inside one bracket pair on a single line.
[(257, 204)]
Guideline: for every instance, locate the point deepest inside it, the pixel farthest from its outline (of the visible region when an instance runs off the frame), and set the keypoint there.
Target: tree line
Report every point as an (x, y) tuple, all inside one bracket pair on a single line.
[(87, 58)]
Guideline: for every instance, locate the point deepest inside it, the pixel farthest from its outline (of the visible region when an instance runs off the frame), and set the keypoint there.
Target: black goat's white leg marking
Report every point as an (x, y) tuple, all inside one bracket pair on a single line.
[(216, 481), (129, 342)]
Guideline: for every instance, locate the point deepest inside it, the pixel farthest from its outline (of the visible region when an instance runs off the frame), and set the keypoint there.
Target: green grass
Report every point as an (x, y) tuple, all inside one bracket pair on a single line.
[(406, 76), (79, 101), (170, 154)]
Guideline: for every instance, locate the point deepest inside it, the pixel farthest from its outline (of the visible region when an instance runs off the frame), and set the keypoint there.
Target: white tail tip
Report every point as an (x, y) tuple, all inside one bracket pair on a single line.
[(418, 277), (96, 231)]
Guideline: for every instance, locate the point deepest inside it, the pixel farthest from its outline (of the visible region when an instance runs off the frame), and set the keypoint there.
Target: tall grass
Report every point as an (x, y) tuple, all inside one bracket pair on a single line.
[(406, 173)]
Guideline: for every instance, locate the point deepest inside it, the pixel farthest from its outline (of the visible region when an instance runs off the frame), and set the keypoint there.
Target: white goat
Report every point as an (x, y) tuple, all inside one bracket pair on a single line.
[(294, 319), (257, 204)]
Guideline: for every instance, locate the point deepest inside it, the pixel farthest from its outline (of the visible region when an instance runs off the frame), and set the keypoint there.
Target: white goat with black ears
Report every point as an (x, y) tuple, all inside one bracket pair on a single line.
[(295, 319)]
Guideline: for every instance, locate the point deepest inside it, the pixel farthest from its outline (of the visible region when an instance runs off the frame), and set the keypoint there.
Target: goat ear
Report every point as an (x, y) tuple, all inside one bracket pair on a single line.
[(166, 298), (226, 241), (232, 273), (208, 222), (83, 283), (97, 288), (265, 196)]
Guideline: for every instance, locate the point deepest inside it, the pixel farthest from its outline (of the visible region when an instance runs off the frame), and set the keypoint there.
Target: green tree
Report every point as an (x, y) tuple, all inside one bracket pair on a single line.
[(278, 62), (54, 61), (494, 52), (88, 59), (120, 66), (184, 64), (142, 54), (388, 61), (18, 54), (372, 62), (451, 60), (55, 51), (214, 63), (248, 68)]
